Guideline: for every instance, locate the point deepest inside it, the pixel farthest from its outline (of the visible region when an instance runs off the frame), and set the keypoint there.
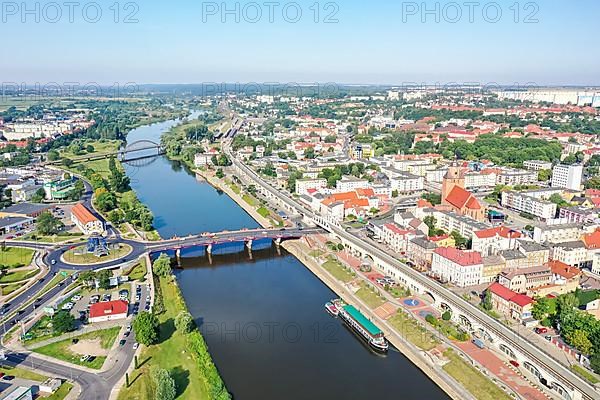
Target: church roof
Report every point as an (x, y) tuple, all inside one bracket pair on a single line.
[(461, 198)]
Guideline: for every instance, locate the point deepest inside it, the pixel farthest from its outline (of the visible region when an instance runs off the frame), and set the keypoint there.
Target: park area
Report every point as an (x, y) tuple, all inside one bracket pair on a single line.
[(15, 257), (80, 256)]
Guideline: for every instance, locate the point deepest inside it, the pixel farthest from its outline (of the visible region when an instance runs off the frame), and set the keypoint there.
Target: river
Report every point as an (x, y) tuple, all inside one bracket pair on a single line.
[(262, 314)]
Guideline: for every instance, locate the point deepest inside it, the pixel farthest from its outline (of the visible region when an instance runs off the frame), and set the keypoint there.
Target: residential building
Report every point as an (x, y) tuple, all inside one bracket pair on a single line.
[(462, 268), (108, 311), (492, 267), (304, 185), (505, 301), (572, 253), (349, 183), (557, 233), (87, 222), (406, 183), (59, 189), (578, 215), (451, 221), (567, 176), (523, 279), (537, 165), (528, 202), (396, 237), (491, 241), (420, 251), (514, 177)]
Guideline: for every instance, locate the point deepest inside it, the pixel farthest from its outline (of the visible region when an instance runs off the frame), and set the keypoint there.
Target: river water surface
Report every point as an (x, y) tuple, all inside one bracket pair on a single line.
[(262, 313)]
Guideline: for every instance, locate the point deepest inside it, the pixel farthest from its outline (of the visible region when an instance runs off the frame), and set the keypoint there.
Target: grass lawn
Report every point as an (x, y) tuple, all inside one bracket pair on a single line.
[(250, 200), (169, 354), (138, 271), (61, 393), (474, 381), (316, 253), (18, 276), (23, 373), (585, 374), (336, 269), (236, 189), (60, 350), (8, 289), (61, 237), (372, 299), (14, 256), (412, 331), (70, 256), (264, 212)]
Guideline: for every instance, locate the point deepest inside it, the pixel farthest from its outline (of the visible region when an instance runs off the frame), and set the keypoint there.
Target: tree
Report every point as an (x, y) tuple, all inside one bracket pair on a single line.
[(162, 266), (107, 201), (543, 307), (579, 339), (145, 326), (219, 174), (67, 162), (164, 384), (53, 155), (544, 175), (38, 196), (103, 278), (116, 216), (89, 148), (48, 224), (487, 301), (63, 322), (184, 322), (459, 240), (595, 363), (446, 316), (309, 153), (431, 222), (77, 191)]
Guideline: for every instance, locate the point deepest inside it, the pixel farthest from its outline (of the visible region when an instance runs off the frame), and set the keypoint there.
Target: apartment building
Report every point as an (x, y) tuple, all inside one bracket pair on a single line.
[(572, 253), (514, 177), (462, 268), (529, 202), (567, 176), (557, 233), (349, 183), (578, 215), (524, 279), (537, 165), (304, 185)]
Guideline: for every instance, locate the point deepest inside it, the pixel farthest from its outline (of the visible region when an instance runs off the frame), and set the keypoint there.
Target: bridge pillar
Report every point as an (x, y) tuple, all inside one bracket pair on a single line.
[(277, 241), (209, 249), (178, 257), (249, 244)]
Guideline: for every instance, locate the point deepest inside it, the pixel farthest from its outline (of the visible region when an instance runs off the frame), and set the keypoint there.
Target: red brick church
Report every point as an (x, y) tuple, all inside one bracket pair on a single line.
[(457, 198)]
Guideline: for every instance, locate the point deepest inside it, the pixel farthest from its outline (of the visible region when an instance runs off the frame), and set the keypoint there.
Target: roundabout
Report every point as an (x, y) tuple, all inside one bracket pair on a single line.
[(80, 256)]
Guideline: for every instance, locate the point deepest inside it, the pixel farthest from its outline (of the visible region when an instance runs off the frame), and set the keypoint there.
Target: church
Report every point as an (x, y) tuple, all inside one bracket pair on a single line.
[(457, 198)]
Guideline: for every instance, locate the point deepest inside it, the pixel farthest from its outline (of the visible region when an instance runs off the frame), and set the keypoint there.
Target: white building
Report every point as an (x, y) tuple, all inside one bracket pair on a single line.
[(350, 183), (530, 202), (537, 165), (304, 185), (462, 268), (406, 183), (86, 221), (567, 176)]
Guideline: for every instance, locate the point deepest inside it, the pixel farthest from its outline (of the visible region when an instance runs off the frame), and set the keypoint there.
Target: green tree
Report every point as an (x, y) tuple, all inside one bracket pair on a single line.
[(48, 224), (164, 384), (145, 326), (459, 240), (103, 278), (53, 155), (544, 175), (77, 191), (116, 216), (220, 174), (431, 223), (38, 196), (595, 362), (184, 322), (579, 339), (446, 316), (487, 301), (162, 266), (89, 148), (63, 322), (67, 162), (107, 201)]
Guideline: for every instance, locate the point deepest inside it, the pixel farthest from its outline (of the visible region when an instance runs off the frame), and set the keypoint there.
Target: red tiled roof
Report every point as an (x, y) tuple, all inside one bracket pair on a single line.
[(82, 214), (422, 203), (521, 300), (501, 291), (464, 258), (502, 231), (461, 198), (108, 308), (562, 269), (592, 240)]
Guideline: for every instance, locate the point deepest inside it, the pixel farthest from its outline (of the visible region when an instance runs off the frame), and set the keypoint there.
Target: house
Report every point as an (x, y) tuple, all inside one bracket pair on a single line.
[(491, 241), (462, 268), (86, 221), (507, 302), (572, 253), (304, 185), (108, 311), (492, 267), (397, 238), (442, 240), (420, 251), (565, 279), (525, 279)]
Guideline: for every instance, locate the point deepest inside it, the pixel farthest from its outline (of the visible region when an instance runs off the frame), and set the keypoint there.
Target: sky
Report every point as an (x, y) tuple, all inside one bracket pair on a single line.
[(548, 42)]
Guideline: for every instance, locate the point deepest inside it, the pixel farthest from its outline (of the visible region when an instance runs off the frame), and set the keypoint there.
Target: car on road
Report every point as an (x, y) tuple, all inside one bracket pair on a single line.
[(128, 329), (514, 363), (540, 330), (122, 342), (53, 262), (8, 377)]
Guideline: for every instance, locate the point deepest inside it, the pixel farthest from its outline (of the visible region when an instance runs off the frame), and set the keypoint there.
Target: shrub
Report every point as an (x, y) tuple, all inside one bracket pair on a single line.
[(446, 316), (431, 319)]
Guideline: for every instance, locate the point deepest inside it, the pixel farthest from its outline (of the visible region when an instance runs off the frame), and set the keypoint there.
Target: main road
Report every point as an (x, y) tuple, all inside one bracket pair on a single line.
[(514, 339)]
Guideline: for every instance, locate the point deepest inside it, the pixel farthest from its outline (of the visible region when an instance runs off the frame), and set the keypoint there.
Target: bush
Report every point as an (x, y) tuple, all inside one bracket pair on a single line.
[(546, 322), (145, 326), (162, 266), (184, 322), (446, 316), (164, 384), (431, 319)]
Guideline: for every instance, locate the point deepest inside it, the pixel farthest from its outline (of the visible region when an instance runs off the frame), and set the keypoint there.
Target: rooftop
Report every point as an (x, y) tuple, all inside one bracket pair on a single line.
[(464, 258)]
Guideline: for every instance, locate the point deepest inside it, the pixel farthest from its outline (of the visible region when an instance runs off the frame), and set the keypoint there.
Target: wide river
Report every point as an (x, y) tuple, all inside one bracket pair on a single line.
[(262, 315)]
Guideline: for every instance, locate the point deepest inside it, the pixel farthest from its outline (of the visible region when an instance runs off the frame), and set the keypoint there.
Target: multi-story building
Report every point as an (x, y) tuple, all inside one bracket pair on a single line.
[(304, 185), (491, 241), (529, 202), (557, 233), (349, 183), (524, 279), (406, 183), (59, 189), (396, 237), (462, 268), (537, 165), (451, 221), (86, 221), (514, 177), (578, 215), (420, 250), (567, 176), (572, 253), (510, 303)]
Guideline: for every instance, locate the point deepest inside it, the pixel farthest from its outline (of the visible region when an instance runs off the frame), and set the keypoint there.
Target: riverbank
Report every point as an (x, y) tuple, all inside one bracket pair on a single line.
[(295, 247)]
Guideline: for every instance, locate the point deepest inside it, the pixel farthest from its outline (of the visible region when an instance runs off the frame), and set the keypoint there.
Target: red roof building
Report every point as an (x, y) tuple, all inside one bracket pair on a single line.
[(108, 311), (508, 302)]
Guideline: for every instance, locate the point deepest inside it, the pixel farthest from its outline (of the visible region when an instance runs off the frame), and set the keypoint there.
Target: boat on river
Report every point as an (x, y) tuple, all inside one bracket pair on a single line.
[(364, 328)]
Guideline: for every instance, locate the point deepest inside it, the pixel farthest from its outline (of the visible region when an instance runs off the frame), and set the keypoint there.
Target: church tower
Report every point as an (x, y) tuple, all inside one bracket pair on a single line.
[(452, 178)]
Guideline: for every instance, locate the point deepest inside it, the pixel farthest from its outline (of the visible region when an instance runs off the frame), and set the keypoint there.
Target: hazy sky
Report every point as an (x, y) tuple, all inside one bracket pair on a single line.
[(371, 42)]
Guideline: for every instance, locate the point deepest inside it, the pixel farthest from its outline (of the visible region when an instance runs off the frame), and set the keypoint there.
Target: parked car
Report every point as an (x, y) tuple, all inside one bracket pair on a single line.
[(84, 358), (122, 342), (136, 345), (514, 363), (8, 377), (540, 330)]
